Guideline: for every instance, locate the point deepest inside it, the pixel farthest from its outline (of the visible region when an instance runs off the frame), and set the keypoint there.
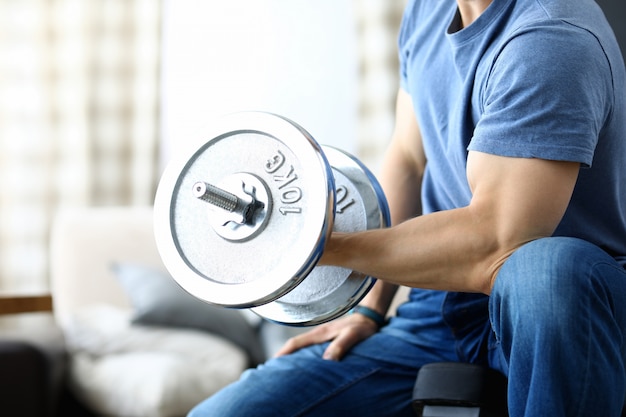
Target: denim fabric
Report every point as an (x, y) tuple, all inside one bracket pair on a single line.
[(554, 324), (304, 384), (558, 309)]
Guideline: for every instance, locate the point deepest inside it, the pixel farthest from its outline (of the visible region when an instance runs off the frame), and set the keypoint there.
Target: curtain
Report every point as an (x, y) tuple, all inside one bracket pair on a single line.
[(79, 118), (378, 23), (79, 112)]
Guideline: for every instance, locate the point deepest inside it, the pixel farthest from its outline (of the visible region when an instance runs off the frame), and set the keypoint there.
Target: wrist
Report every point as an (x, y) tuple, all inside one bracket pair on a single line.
[(371, 314), (329, 255)]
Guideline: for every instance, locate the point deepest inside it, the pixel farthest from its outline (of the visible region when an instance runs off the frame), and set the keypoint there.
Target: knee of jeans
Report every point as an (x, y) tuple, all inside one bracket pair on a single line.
[(547, 278)]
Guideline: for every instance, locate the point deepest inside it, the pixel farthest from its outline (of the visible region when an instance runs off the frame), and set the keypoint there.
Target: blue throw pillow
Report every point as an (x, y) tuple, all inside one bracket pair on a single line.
[(158, 300)]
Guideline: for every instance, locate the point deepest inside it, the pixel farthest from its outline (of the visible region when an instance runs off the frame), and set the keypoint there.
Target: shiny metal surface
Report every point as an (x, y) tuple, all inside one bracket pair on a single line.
[(262, 267), (249, 214), (220, 198), (329, 292)]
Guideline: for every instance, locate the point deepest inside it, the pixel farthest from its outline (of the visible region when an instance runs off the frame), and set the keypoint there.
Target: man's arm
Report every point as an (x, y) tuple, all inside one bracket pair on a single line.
[(400, 178), (515, 200)]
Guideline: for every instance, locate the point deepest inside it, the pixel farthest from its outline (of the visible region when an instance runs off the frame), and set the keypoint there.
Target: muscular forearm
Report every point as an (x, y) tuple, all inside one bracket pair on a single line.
[(515, 200), (442, 251)]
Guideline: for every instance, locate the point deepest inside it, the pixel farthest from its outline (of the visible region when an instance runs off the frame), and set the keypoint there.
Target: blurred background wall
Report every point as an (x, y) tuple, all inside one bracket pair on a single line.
[(96, 95)]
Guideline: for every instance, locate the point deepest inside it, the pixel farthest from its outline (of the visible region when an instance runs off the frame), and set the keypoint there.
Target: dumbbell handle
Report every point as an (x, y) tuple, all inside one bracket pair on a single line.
[(224, 200)]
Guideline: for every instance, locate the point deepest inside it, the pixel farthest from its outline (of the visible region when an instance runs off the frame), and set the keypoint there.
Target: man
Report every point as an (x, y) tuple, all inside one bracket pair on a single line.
[(511, 125)]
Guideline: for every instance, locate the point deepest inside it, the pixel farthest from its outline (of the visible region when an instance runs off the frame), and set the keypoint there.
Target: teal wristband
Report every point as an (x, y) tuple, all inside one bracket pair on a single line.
[(378, 318)]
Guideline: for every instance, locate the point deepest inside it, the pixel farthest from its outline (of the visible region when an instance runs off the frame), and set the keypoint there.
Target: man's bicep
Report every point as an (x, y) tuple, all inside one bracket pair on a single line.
[(519, 199), (404, 162)]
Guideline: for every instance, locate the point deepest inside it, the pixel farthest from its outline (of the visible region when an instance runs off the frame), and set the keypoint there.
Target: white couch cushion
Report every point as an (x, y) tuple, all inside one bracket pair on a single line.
[(128, 370)]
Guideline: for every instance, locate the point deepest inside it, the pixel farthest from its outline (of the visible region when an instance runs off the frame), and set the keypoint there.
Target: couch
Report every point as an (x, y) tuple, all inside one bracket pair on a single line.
[(138, 345), (119, 336)]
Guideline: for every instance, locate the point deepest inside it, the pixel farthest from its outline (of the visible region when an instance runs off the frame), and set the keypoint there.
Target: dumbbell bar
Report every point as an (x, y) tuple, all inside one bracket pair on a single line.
[(241, 219)]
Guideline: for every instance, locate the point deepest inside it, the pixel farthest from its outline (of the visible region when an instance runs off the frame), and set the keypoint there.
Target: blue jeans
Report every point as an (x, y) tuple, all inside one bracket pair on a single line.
[(554, 324)]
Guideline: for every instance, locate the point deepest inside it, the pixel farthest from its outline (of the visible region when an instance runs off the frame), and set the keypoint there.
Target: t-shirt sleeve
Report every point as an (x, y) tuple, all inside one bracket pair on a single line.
[(547, 95), (406, 28)]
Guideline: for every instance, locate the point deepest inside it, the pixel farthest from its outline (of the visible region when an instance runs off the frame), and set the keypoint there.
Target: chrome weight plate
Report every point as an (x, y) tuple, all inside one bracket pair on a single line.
[(242, 217), (329, 292)]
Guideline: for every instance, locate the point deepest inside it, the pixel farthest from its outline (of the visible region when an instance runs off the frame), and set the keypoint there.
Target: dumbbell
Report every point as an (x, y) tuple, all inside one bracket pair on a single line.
[(241, 219)]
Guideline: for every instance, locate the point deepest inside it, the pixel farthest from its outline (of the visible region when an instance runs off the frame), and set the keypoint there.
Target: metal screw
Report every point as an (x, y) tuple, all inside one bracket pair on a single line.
[(242, 209), (216, 196)]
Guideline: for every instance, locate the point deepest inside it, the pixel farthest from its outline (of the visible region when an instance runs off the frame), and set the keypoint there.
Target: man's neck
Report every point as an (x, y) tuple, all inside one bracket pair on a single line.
[(471, 9)]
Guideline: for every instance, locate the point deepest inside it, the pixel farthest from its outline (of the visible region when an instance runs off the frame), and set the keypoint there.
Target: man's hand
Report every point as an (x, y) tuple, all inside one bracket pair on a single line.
[(345, 333)]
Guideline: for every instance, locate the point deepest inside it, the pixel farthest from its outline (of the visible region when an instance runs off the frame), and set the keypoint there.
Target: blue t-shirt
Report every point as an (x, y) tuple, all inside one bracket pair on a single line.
[(531, 79)]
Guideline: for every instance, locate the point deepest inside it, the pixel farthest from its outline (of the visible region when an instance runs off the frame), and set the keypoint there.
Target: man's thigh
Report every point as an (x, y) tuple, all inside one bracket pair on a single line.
[(304, 384), (557, 308)]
